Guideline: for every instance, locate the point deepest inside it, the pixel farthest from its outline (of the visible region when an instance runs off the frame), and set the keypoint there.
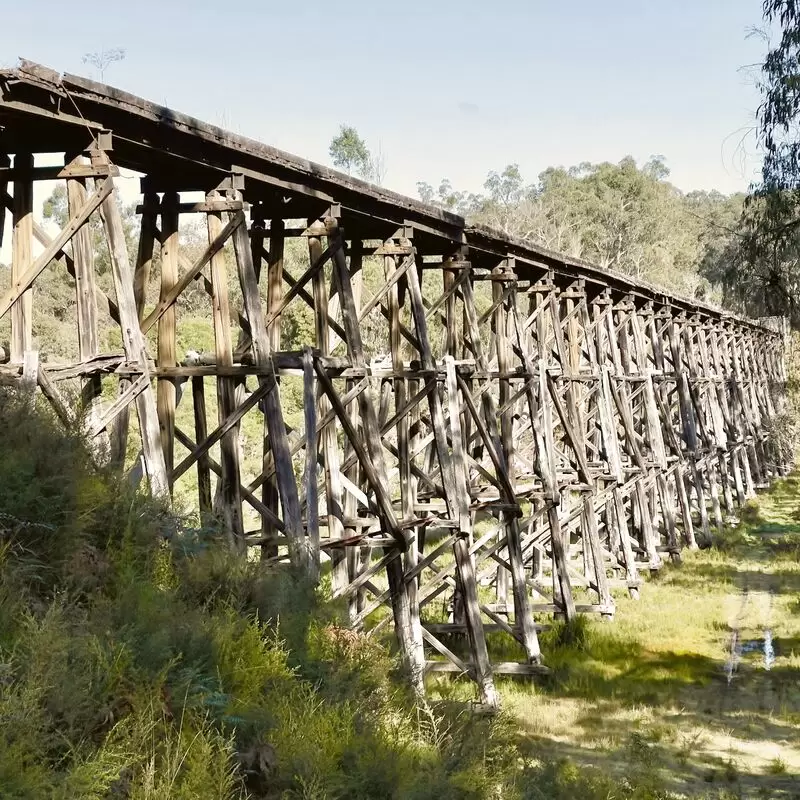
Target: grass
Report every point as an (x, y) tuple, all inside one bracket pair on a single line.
[(138, 660), (652, 690)]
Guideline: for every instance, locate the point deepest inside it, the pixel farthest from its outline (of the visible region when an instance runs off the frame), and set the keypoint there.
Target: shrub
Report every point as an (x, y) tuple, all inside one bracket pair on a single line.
[(139, 660)]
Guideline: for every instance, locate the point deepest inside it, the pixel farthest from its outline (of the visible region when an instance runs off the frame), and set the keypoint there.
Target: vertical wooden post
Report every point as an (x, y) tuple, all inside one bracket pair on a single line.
[(132, 339), (575, 312), (144, 260), (737, 432), (450, 327), (21, 256), (688, 333), (504, 447), (723, 461), (652, 423), (310, 477), (5, 162), (287, 488), (483, 669), (450, 269), (503, 350), (688, 427), (404, 452), (562, 587), (410, 644), (230, 497), (334, 494), (715, 506), (723, 423), (167, 347), (355, 556), (83, 260), (464, 564), (141, 279), (746, 413), (682, 387), (201, 434), (269, 489), (541, 455), (465, 572), (620, 348), (616, 517), (717, 438)]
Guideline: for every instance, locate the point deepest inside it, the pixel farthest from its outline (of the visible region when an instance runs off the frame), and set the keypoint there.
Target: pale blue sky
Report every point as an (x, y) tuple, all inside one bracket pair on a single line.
[(449, 88)]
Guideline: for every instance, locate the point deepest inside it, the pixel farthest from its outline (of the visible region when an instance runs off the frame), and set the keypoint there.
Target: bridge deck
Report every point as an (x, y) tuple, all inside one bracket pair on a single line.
[(486, 431)]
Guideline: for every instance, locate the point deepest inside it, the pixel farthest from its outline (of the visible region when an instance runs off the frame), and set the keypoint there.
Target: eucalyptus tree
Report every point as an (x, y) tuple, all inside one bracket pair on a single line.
[(761, 270)]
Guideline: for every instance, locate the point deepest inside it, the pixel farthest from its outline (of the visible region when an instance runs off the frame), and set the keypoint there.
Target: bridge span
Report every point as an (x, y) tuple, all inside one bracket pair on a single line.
[(481, 431)]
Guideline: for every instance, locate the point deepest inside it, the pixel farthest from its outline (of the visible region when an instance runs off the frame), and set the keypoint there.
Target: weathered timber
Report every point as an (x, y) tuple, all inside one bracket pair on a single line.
[(132, 340), (22, 244), (167, 323), (85, 297), (489, 417), (278, 439), (229, 504)]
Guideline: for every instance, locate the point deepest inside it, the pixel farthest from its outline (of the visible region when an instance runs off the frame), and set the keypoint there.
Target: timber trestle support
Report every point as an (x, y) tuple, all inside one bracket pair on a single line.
[(468, 433)]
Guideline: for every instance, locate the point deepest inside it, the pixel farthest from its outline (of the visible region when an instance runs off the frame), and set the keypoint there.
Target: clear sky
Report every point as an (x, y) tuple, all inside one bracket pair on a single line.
[(449, 88)]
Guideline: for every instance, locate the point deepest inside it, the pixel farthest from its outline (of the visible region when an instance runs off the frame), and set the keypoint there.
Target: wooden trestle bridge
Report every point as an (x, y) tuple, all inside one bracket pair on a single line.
[(537, 433)]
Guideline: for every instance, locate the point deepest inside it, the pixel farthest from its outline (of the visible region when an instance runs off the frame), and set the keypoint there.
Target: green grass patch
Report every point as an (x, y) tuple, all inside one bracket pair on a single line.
[(138, 660), (653, 689)]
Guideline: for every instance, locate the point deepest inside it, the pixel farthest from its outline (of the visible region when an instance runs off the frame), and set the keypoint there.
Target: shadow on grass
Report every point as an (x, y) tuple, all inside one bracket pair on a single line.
[(663, 768), (673, 719), (727, 575), (618, 705), (610, 666)]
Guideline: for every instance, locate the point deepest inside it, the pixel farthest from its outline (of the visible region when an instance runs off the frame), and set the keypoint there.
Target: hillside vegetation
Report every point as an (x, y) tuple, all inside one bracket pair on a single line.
[(139, 660)]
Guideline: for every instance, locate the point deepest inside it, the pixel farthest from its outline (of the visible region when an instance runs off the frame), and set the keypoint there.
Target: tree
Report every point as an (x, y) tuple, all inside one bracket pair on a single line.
[(762, 270), (446, 197), (349, 152), (778, 129), (620, 216), (378, 161), (506, 188), (719, 219), (628, 218), (102, 59)]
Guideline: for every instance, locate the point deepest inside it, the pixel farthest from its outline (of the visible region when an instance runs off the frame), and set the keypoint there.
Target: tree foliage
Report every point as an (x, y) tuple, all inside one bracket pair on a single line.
[(620, 216), (778, 113), (760, 271), (103, 59), (349, 152)]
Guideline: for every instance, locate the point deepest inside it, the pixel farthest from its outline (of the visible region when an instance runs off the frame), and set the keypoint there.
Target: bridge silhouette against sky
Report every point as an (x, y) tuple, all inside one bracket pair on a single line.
[(489, 431)]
